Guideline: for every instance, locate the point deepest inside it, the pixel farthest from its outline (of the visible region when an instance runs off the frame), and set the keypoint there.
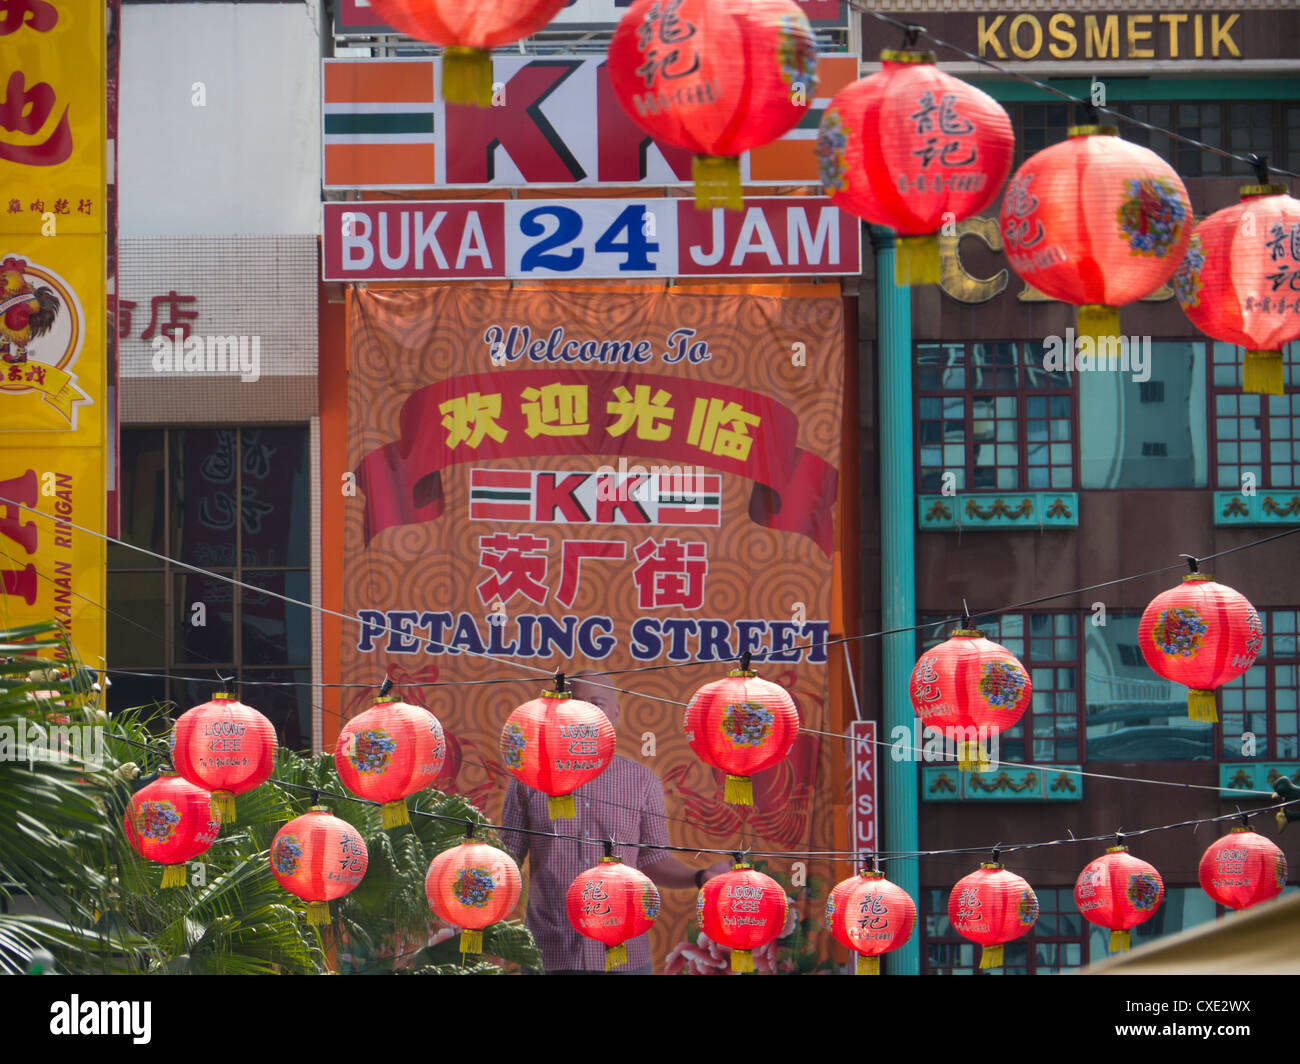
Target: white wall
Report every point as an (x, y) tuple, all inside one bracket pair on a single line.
[(248, 162)]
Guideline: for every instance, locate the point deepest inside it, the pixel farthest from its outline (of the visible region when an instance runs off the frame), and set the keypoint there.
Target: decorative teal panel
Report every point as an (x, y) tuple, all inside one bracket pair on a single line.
[(1235, 777), (1264, 508), (997, 510), (1006, 783)]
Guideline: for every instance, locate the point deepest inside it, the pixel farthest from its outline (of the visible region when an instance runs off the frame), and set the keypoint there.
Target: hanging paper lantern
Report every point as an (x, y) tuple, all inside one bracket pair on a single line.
[(1097, 222), (472, 886), (318, 858), (742, 725), (612, 903), (869, 915), (742, 910), (914, 149), (226, 747), (1240, 280), (970, 688), (1242, 869), (1201, 634), (468, 32), (555, 744), (1118, 891), (716, 77), (992, 907), (389, 752), (170, 821)]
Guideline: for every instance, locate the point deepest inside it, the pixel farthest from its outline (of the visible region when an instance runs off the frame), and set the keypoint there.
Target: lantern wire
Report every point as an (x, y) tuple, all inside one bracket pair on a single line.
[(1252, 160), (742, 856), (594, 678)]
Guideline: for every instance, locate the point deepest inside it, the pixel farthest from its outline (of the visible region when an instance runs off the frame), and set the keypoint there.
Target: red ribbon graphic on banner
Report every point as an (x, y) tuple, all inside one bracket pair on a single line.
[(532, 413)]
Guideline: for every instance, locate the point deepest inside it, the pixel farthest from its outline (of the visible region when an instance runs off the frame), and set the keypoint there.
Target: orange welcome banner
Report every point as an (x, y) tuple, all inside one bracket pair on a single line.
[(514, 507)]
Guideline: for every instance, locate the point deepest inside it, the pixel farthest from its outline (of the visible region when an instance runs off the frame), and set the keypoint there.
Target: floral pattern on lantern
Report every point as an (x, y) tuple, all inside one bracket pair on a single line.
[(170, 821), (741, 725), (1201, 634), (472, 886), (389, 752)]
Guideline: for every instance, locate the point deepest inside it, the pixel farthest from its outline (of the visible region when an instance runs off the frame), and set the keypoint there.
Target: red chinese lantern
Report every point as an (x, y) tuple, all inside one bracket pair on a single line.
[(389, 752), (742, 725), (318, 858), (472, 886), (612, 903), (1201, 634), (1097, 222), (970, 688), (992, 907), (1118, 891), (170, 821), (913, 148), (742, 910), (1242, 869), (226, 747), (869, 915), (468, 32), (716, 77), (1240, 280), (555, 744)]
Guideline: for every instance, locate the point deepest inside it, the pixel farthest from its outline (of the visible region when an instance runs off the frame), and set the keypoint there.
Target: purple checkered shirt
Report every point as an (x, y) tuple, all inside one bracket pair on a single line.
[(625, 803)]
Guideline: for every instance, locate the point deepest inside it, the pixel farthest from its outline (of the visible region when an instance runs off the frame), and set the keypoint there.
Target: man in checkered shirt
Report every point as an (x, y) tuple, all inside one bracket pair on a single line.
[(624, 803)]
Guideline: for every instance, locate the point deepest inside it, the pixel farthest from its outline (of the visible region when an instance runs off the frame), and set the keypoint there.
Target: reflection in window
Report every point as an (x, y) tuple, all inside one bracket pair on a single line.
[(1145, 433), (235, 501), (1261, 708), (1134, 715), (990, 415), (1256, 434)]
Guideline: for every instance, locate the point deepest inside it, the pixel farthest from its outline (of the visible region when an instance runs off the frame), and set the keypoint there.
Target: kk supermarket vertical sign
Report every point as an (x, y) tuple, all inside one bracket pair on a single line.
[(52, 316)]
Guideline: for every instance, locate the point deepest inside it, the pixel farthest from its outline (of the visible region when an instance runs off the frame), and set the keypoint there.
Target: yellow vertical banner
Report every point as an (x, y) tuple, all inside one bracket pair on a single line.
[(53, 318)]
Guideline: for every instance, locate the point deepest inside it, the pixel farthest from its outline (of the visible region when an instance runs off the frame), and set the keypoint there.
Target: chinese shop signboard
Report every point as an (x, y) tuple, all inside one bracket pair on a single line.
[(606, 479), (53, 318)]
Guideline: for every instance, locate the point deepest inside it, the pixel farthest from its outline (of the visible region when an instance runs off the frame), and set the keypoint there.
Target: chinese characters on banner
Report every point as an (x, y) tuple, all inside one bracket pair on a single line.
[(52, 317), (604, 479)]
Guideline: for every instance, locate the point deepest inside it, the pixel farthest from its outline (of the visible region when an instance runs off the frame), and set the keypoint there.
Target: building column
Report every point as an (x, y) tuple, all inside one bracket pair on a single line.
[(897, 577)]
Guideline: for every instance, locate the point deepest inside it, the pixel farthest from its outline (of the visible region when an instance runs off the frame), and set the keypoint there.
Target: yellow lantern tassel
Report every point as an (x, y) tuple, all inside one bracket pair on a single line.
[(1200, 706), (916, 260), (742, 960), (471, 940), (318, 913), (223, 807), (1261, 373), (467, 76), (615, 955), (972, 757), (1097, 321), (173, 876), (717, 182), (867, 965), (739, 790), (1119, 940), (561, 807), (991, 957), (394, 814)]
